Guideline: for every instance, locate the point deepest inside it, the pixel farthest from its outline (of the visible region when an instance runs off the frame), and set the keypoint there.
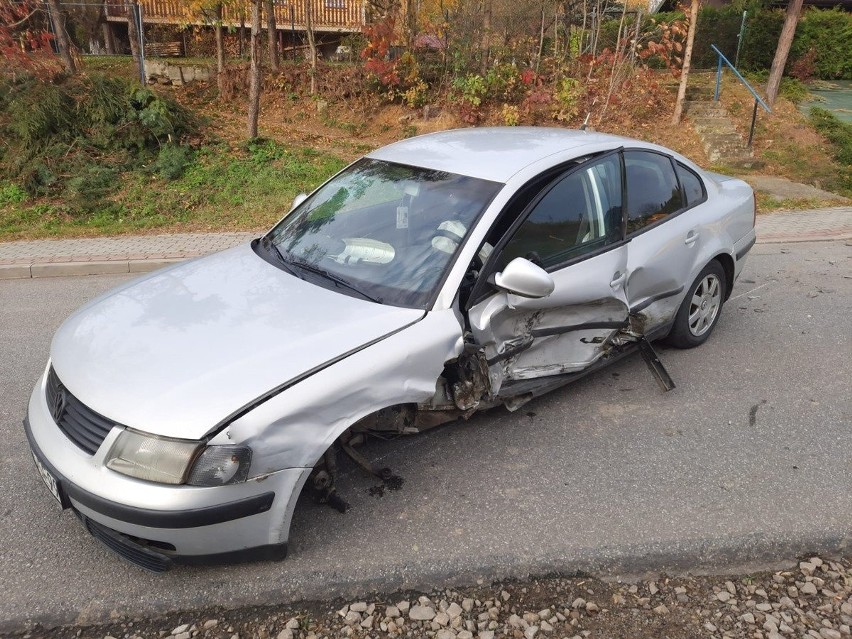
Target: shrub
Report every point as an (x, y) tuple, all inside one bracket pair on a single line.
[(172, 161), (829, 34), (11, 194), (567, 97), (75, 137)]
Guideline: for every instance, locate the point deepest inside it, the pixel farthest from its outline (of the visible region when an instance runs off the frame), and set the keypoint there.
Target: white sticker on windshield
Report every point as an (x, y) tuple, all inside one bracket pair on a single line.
[(402, 217)]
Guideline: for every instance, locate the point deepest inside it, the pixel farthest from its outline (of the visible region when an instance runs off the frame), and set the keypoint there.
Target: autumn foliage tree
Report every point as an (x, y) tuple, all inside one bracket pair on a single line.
[(24, 37)]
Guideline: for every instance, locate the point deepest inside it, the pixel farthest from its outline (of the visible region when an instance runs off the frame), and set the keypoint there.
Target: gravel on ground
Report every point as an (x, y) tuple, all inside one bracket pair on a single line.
[(810, 600)]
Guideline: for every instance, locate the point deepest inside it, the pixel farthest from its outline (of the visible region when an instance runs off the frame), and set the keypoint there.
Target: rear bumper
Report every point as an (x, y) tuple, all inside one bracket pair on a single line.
[(186, 524), (741, 249)]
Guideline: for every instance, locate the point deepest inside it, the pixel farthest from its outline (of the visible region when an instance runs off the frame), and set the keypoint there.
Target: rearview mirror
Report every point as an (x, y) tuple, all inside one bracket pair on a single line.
[(524, 278), (298, 200)]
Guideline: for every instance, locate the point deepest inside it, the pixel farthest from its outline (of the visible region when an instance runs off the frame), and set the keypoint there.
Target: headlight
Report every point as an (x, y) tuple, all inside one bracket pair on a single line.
[(219, 465), (168, 461), (158, 459)]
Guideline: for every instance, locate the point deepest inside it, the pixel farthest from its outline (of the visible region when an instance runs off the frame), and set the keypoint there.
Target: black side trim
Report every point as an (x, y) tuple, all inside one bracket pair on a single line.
[(510, 352), (543, 385), (559, 330), (741, 253), (190, 518), (655, 298)]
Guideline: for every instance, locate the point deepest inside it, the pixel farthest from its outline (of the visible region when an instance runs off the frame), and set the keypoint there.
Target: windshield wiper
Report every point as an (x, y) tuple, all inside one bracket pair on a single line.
[(273, 250), (313, 268)]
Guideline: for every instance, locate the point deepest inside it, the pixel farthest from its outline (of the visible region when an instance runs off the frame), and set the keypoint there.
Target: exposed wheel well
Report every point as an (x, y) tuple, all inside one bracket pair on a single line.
[(727, 263)]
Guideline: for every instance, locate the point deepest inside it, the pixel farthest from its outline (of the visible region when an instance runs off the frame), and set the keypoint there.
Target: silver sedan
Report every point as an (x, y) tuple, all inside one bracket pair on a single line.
[(181, 416)]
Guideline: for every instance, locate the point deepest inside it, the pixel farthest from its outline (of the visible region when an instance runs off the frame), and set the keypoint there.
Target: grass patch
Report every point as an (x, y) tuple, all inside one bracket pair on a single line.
[(767, 203), (837, 132), (220, 188)]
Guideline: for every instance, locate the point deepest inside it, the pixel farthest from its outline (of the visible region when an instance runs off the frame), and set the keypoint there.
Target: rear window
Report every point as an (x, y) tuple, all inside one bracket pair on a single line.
[(693, 188), (652, 189)]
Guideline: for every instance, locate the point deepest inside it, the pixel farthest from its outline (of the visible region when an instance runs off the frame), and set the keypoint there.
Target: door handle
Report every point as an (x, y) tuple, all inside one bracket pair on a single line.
[(691, 237), (617, 279)]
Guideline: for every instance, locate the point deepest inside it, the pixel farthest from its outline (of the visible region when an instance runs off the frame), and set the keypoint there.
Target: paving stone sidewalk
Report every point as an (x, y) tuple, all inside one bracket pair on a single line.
[(126, 254), (140, 253)]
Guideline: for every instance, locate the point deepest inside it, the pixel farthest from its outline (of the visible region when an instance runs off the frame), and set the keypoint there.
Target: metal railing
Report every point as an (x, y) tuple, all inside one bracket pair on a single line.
[(757, 99)]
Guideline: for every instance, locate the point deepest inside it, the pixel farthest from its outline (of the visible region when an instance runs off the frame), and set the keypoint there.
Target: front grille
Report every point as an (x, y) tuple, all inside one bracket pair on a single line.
[(83, 426), (127, 547)]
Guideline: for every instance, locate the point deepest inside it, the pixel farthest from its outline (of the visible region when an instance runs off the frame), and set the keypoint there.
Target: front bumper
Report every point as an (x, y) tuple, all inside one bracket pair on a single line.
[(188, 524)]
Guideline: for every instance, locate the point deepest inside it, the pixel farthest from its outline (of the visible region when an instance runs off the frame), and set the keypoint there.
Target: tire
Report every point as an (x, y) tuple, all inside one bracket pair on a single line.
[(703, 304)]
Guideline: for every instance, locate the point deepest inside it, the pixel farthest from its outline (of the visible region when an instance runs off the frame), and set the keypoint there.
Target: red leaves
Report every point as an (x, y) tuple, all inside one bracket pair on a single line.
[(24, 39)]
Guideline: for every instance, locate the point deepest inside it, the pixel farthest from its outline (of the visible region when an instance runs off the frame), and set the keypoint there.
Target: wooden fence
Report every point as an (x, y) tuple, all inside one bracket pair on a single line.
[(328, 15)]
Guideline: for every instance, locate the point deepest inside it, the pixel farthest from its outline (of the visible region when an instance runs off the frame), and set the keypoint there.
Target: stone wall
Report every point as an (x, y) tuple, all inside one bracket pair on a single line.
[(159, 71)]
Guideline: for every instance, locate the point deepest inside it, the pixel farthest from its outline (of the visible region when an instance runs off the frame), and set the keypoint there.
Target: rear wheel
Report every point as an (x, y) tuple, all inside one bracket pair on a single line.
[(698, 314)]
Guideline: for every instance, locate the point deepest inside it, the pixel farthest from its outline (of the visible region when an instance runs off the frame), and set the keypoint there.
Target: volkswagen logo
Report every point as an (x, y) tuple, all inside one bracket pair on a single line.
[(57, 404)]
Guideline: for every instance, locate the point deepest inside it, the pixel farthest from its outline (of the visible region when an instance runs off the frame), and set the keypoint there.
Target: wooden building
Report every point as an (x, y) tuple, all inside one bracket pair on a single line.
[(329, 16)]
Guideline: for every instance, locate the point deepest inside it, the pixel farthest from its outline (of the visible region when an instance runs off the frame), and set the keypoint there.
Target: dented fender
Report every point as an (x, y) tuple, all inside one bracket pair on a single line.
[(295, 427)]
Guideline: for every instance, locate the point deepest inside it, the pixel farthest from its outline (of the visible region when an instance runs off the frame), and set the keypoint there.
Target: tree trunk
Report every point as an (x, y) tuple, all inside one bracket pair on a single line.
[(106, 30), (254, 75), (312, 44), (272, 35), (687, 58), (133, 35), (540, 41), (57, 17), (242, 34), (411, 24), (109, 43), (220, 48), (794, 8)]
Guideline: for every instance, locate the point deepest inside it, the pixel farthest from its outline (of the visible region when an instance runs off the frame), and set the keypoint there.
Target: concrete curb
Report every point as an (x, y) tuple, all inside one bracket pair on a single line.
[(731, 555), (786, 239), (100, 267)]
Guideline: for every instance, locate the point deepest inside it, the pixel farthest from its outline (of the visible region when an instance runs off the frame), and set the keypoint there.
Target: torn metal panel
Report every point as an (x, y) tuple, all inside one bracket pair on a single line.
[(564, 332)]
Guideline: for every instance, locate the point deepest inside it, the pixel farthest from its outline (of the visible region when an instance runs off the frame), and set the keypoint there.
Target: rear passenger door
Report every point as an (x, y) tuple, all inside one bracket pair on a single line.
[(664, 229)]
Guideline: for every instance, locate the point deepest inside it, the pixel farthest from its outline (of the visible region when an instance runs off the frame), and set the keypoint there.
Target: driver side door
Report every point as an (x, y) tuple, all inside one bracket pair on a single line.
[(574, 230)]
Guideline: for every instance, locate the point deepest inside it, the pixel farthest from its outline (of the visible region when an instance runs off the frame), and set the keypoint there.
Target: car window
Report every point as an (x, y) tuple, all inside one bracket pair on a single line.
[(693, 188), (579, 214), (652, 189), (387, 231)]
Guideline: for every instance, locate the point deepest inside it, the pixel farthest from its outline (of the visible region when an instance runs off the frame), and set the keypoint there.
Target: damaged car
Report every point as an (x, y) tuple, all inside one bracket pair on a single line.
[(181, 415)]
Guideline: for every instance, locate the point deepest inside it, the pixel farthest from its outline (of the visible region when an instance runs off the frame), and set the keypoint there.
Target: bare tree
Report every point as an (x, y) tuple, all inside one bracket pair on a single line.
[(220, 46), (109, 40), (254, 74), (312, 44), (133, 34), (57, 17), (687, 59), (272, 34), (794, 9)]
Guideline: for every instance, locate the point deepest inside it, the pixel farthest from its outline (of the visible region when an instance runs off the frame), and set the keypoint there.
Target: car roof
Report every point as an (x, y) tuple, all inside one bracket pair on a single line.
[(490, 153)]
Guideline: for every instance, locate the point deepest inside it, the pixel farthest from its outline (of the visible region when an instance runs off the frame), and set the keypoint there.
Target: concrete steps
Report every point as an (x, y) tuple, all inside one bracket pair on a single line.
[(722, 143)]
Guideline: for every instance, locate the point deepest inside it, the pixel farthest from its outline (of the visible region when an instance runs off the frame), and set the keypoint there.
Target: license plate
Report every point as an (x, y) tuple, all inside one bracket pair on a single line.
[(49, 480)]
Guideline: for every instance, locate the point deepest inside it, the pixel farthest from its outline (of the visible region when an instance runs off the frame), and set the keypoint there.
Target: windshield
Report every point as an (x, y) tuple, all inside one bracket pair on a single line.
[(385, 231)]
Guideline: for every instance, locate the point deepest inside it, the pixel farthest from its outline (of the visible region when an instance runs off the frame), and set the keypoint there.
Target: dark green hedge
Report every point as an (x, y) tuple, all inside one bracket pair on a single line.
[(827, 31)]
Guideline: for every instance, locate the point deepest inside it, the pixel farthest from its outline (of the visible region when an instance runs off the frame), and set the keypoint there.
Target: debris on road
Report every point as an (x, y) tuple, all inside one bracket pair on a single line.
[(811, 600)]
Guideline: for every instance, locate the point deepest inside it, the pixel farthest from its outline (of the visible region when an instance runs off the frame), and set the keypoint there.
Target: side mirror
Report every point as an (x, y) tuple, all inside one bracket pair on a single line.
[(524, 278), (298, 200)]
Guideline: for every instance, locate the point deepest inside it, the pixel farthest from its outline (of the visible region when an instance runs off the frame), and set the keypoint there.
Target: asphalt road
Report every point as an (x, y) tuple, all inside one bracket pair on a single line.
[(748, 459)]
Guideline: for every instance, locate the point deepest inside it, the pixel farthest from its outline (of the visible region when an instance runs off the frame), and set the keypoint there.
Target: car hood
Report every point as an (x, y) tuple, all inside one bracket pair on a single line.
[(179, 351)]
